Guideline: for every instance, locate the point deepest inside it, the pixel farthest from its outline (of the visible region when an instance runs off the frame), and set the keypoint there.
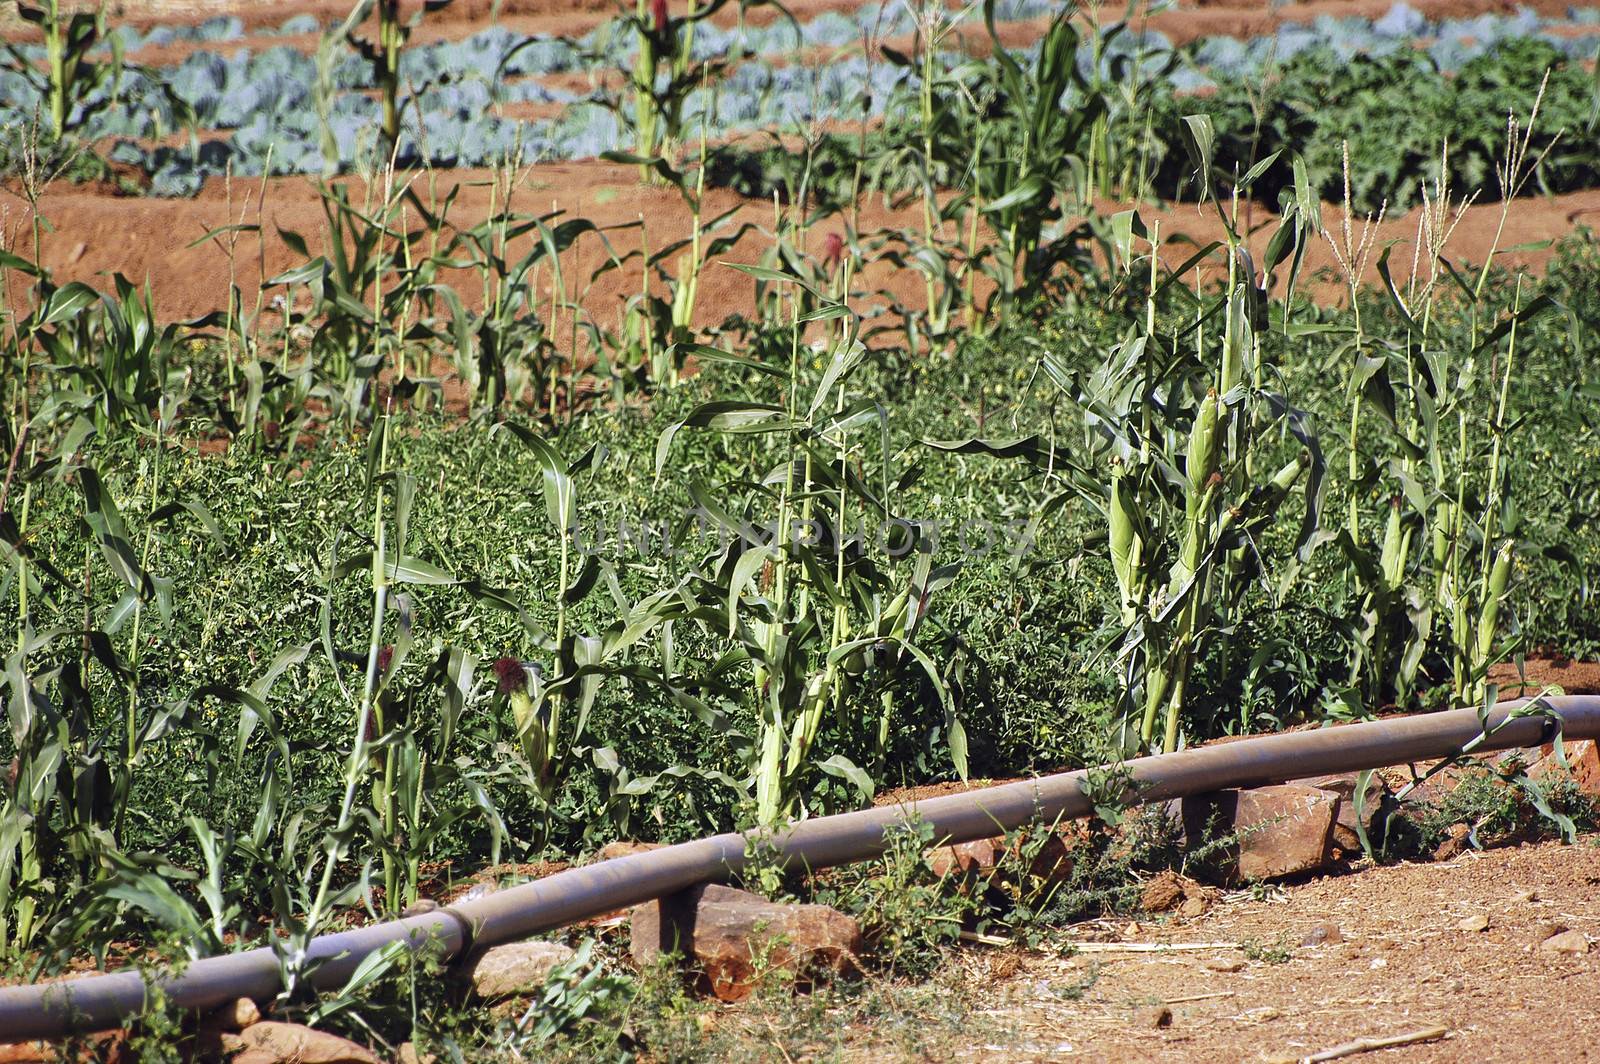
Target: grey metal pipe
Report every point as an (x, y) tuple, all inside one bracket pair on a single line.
[(104, 1001)]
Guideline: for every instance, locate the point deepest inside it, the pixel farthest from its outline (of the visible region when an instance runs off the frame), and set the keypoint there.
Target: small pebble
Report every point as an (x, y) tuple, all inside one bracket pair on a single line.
[(1524, 897), (1475, 922), (1156, 1017), (1568, 942), (1324, 934), (1545, 929)]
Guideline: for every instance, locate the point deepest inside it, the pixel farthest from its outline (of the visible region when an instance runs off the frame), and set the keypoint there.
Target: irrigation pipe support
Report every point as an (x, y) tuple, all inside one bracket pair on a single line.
[(101, 1002)]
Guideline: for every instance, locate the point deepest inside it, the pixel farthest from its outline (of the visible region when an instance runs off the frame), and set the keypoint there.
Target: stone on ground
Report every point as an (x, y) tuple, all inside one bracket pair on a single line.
[(1323, 934), (976, 858), (1049, 859), (733, 937), (1167, 890), (514, 968), (1570, 942), (236, 1015), (624, 848), (1375, 800), (1155, 1017), (1583, 765), (271, 1042), (1283, 830), (1457, 840)]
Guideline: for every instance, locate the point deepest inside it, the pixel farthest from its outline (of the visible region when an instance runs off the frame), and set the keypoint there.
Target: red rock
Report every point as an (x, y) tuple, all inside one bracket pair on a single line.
[(975, 858), (1583, 765), (1323, 934), (1050, 859), (1163, 891), (108, 1047), (1283, 830), (270, 1042), (1375, 801), (734, 937), (1456, 842), (236, 1016), (1572, 943), (515, 968)]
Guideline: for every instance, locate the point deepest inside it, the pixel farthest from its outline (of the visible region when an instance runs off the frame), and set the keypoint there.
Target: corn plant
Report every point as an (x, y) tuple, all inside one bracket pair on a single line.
[(657, 334), (240, 323), (81, 722), (551, 695), (819, 623), (930, 153), (506, 352), (73, 83), (1178, 433), (663, 43), (103, 356), (1029, 167), (1441, 555), (1123, 145), (383, 53), (363, 292)]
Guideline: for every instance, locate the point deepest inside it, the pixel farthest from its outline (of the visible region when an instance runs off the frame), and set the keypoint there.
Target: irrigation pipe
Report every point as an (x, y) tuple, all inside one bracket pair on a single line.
[(100, 1002)]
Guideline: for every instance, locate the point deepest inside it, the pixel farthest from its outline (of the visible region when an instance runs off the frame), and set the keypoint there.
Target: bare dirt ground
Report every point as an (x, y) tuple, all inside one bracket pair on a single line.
[(95, 234), (1573, 677), (1394, 958)]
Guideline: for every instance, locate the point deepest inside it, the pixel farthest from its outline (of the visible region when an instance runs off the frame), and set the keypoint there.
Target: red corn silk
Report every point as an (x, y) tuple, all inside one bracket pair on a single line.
[(511, 674), (833, 250)]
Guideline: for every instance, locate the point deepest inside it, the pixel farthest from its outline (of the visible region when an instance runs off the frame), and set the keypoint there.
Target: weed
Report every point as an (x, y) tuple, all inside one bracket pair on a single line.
[(1277, 951)]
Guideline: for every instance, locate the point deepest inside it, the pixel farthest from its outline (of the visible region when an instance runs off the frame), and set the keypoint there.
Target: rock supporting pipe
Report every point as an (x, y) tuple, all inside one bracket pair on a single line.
[(100, 1002)]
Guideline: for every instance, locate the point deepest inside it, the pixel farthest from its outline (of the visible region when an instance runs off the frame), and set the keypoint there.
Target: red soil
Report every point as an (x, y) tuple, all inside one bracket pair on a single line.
[(96, 233)]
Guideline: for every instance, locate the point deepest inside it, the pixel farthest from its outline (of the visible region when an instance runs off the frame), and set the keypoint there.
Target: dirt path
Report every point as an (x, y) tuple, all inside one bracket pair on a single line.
[(1404, 964)]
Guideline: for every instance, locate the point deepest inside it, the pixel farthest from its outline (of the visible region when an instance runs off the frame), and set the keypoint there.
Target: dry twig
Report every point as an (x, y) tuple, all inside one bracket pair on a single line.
[(1368, 1045)]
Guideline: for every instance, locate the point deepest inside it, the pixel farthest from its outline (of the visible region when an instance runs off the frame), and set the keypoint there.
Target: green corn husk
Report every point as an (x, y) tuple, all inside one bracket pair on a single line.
[(1155, 696), (530, 730), (1277, 490), (1195, 535), (1441, 534), (1205, 440), (1236, 341), (1126, 545), (769, 772), (1494, 594), (1285, 478), (806, 723), (1396, 548)]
